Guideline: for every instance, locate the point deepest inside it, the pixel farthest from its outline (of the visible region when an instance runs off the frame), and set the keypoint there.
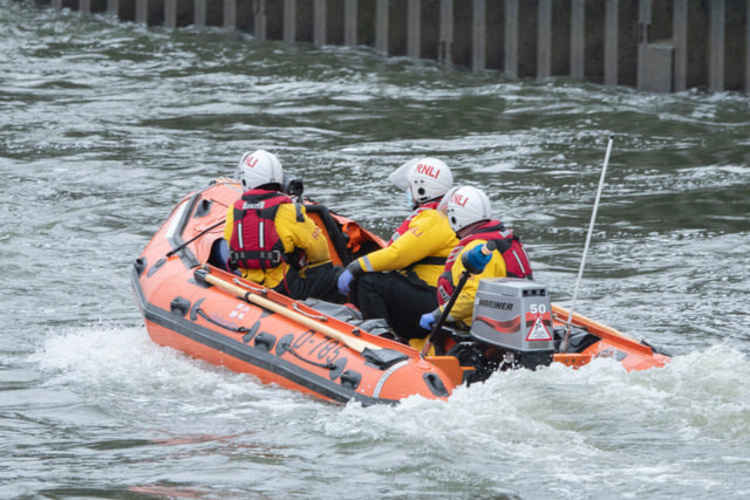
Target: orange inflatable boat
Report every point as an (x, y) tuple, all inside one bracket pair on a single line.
[(326, 349)]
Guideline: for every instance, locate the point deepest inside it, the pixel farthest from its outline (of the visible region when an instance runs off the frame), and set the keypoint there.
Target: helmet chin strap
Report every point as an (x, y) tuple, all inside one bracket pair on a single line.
[(410, 199), (467, 230)]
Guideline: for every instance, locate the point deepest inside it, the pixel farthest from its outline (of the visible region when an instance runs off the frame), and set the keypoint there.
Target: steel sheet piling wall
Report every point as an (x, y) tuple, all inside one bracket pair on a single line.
[(445, 45), (351, 16), (680, 37), (414, 32), (290, 21), (511, 38), (141, 11), (479, 41), (199, 13), (577, 38), (716, 46), (544, 40), (319, 22), (230, 14), (170, 13), (704, 44), (259, 19), (381, 26), (611, 42)]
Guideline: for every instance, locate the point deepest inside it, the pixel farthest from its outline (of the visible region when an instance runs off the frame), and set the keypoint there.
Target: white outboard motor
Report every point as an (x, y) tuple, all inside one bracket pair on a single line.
[(515, 315)]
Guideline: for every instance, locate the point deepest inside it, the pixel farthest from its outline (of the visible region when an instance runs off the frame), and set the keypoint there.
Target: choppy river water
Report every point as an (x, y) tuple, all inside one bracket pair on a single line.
[(104, 126)]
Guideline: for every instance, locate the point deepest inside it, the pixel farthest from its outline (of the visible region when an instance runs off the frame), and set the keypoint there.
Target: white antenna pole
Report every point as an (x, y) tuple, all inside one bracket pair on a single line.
[(564, 343)]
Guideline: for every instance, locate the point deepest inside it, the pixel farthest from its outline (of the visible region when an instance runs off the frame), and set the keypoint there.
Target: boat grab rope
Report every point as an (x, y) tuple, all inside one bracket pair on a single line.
[(238, 329), (242, 329), (327, 366)]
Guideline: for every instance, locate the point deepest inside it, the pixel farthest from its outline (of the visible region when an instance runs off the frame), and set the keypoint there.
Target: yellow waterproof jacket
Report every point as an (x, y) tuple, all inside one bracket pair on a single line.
[(464, 306), (305, 235), (429, 234)]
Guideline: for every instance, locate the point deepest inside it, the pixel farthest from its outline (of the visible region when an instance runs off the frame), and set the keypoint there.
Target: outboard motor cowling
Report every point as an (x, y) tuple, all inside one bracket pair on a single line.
[(515, 315)]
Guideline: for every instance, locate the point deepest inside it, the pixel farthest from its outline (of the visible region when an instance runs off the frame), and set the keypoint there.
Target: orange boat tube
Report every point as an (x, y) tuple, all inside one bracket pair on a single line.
[(220, 318), (190, 305)]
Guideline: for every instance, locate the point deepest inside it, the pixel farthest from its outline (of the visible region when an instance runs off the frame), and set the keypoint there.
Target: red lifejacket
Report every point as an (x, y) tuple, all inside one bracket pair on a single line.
[(400, 230), (516, 261), (255, 244)]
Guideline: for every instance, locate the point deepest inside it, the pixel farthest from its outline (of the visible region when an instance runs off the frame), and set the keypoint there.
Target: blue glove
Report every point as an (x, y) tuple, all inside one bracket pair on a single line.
[(427, 321), (344, 282), (475, 260)]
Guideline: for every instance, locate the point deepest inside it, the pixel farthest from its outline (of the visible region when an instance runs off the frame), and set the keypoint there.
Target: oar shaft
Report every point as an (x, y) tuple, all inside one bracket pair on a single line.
[(355, 344)]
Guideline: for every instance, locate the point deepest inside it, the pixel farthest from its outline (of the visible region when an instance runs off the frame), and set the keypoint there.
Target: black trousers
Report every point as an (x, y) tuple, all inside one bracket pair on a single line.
[(397, 298), (319, 282)]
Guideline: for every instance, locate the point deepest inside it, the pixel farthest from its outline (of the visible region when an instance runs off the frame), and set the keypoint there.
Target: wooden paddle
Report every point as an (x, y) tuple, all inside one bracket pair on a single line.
[(354, 343), (383, 357)]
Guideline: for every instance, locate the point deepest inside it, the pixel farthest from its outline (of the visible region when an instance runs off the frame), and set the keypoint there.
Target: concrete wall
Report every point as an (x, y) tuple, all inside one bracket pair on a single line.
[(656, 45)]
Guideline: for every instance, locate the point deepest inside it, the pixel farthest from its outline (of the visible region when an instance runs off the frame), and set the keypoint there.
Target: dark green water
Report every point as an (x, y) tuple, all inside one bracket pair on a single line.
[(104, 126)]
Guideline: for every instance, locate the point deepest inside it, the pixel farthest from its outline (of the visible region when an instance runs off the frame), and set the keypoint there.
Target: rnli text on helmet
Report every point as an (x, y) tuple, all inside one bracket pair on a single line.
[(459, 199), (425, 169)]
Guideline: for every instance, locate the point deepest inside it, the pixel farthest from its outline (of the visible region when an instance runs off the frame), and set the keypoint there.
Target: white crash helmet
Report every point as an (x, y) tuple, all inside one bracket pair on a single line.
[(425, 178), (464, 206), (258, 168)]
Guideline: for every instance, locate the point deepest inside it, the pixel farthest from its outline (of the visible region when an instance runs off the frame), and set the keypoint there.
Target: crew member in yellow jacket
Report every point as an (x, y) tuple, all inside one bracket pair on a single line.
[(398, 282), (469, 212), (271, 239)]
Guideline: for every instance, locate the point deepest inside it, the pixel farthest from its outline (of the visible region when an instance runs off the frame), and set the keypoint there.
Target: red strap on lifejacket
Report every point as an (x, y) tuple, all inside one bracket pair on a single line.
[(255, 244), (516, 261), (400, 230)]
